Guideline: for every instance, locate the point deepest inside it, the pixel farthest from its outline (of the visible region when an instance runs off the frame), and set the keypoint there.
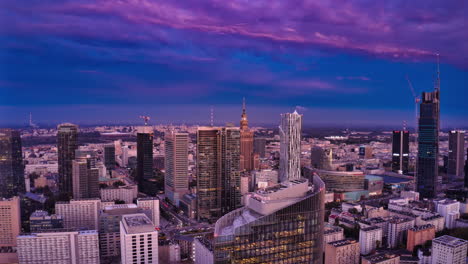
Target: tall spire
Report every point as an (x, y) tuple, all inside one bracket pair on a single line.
[(437, 82), (244, 123)]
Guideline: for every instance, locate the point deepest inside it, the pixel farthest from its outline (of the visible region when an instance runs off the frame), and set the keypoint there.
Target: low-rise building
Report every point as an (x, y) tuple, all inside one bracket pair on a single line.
[(418, 235), (381, 258), (332, 233), (342, 252)]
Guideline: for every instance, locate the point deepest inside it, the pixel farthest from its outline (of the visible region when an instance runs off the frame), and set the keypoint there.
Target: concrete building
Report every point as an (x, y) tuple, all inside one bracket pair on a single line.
[(397, 230), (448, 249), (410, 195), (203, 251), (78, 247), (41, 221), (369, 239), (418, 235), (85, 180), (342, 252), (450, 210), (437, 221), (11, 164), (67, 143), (294, 211), (10, 221), (8, 255), (290, 146), (83, 213), (264, 178), (321, 158), (456, 154), (150, 206), (169, 252), (126, 193), (176, 165), (331, 234), (138, 240), (381, 258), (109, 229)]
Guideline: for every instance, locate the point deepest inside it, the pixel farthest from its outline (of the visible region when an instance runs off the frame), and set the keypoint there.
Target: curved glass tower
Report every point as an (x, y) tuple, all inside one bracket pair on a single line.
[(282, 224)]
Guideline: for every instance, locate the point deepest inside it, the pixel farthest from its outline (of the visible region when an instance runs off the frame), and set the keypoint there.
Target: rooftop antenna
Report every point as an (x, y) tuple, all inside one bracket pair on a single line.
[(404, 125), (243, 105), (437, 84), (212, 116), (146, 119)]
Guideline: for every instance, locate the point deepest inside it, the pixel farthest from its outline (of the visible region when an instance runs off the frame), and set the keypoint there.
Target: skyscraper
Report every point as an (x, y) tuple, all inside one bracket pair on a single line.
[(109, 157), (144, 154), (259, 146), (66, 144), (282, 224), (176, 165), (290, 146), (10, 221), (218, 168), (11, 164), (85, 179), (400, 151), (466, 169), (428, 142), (456, 155), (247, 139)]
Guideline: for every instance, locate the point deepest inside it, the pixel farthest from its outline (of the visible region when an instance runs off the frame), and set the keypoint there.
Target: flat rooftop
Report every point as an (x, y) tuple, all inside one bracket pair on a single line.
[(342, 243), (379, 258), (137, 223), (450, 241)]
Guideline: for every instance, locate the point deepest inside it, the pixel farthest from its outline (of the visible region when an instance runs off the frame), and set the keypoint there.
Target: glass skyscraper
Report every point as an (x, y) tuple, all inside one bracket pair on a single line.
[(282, 224), (11, 164), (400, 151), (144, 169), (67, 136)]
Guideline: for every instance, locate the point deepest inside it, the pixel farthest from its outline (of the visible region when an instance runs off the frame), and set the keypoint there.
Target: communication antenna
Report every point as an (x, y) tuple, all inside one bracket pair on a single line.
[(146, 119), (212, 116)]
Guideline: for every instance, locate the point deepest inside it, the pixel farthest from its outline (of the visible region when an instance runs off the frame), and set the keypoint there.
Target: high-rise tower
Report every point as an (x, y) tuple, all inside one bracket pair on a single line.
[(428, 142), (247, 139), (144, 169), (176, 165), (11, 164), (400, 151), (456, 155), (218, 171), (67, 135), (290, 146)]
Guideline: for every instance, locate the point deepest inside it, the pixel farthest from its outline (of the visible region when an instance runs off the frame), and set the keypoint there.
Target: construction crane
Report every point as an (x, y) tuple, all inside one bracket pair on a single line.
[(146, 119)]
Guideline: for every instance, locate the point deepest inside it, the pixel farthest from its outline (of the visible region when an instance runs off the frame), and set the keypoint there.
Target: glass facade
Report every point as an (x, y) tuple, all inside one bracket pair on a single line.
[(11, 164), (291, 234)]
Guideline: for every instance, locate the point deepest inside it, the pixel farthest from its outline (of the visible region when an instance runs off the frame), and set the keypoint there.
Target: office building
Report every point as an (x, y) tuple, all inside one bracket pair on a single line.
[(10, 221), (397, 230), (144, 168), (77, 247), (41, 221), (259, 146), (85, 179), (382, 258), (66, 144), (138, 240), (218, 168), (282, 224), (342, 252), (365, 152), (418, 235), (83, 213), (11, 164), (369, 239), (127, 193), (246, 142), (456, 155), (109, 157), (400, 151), (290, 146), (448, 249), (341, 181), (109, 229), (176, 165), (169, 252), (321, 158), (150, 206), (427, 176)]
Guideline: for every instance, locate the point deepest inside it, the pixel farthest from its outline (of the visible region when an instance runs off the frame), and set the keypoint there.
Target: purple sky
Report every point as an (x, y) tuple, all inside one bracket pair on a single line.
[(341, 61)]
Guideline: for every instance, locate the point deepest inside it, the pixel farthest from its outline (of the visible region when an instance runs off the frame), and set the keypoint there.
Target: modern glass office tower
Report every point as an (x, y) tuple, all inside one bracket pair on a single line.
[(67, 143), (11, 164), (176, 165), (230, 169), (144, 154), (456, 155), (400, 151), (290, 146), (283, 224), (428, 144)]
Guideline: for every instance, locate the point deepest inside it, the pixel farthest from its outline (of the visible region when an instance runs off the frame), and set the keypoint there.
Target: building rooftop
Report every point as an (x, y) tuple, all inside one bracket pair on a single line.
[(344, 242), (206, 243), (450, 241), (137, 223), (371, 228), (378, 258), (399, 220), (422, 227)]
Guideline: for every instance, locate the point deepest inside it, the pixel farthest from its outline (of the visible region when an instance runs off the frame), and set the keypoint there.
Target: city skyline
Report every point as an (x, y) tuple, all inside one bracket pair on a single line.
[(338, 61)]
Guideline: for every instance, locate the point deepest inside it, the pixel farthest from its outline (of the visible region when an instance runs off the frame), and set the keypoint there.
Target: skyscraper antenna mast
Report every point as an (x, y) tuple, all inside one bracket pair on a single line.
[(212, 116)]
